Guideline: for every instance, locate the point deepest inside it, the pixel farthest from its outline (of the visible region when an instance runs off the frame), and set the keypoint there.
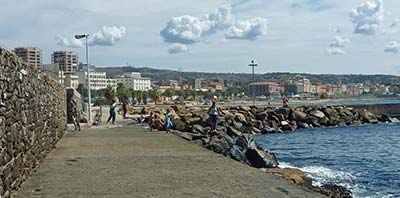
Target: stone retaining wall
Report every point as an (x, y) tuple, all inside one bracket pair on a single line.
[(32, 119)]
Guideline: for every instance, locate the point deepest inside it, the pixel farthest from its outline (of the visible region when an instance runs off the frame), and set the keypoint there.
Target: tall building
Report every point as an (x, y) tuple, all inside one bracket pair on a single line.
[(30, 55), (67, 61)]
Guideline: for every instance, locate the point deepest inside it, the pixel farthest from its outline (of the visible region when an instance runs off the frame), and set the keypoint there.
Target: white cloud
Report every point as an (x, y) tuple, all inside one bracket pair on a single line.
[(393, 47), (106, 36), (69, 42), (177, 48), (189, 29), (335, 51), (339, 41), (367, 17), (336, 47), (250, 29), (334, 30)]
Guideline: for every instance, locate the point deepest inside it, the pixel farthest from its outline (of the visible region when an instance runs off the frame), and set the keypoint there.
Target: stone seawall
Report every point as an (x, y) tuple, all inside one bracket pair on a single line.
[(32, 119)]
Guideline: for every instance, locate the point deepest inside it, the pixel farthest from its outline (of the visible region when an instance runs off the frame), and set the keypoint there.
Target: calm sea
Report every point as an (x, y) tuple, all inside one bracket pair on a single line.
[(365, 159)]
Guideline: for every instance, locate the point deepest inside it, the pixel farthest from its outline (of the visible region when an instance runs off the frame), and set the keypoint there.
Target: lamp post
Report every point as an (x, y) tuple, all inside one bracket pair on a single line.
[(253, 64), (80, 36)]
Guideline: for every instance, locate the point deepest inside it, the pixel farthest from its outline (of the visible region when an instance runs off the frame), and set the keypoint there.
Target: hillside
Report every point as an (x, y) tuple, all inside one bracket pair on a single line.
[(161, 74)]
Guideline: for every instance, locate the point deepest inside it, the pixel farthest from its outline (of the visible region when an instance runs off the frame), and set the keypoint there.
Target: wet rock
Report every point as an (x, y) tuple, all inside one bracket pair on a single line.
[(260, 159), (334, 191)]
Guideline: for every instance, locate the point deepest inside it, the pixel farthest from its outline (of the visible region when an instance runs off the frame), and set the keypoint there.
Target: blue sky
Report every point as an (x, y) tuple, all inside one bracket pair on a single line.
[(311, 36)]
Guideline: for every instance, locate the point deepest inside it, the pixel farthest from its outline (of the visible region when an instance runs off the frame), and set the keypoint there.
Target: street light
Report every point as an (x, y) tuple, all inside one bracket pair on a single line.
[(80, 36), (253, 64)]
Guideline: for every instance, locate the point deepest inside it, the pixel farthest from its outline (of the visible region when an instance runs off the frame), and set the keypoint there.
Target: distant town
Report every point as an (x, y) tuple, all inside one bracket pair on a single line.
[(66, 69)]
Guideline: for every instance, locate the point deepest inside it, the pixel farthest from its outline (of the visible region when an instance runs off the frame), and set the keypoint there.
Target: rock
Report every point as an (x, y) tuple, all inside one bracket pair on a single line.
[(198, 129), (233, 132), (242, 142), (261, 159), (294, 176), (240, 118), (334, 191), (299, 115), (238, 154), (317, 114)]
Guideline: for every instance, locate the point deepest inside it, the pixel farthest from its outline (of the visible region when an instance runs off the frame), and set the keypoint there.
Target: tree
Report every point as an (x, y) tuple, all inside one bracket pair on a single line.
[(109, 93), (154, 95), (122, 92)]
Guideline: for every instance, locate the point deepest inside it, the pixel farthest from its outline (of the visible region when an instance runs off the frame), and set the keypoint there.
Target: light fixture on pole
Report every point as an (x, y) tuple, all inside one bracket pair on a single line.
[(80, 36), (253, 64)]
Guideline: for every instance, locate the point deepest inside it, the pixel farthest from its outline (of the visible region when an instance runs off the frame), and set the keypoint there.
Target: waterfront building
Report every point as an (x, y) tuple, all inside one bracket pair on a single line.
[(98, 80), (30, 55), (67, 61), (135, 81), (264, 88)]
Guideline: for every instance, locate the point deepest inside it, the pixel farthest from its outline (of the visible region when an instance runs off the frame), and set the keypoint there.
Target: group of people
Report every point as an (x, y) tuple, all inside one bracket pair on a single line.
[(155, 122)]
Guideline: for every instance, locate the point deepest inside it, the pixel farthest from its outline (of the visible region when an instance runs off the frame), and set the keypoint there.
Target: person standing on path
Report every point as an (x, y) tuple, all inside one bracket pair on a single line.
[(168, 122), (124, 108), (112, 112), (213, 113)]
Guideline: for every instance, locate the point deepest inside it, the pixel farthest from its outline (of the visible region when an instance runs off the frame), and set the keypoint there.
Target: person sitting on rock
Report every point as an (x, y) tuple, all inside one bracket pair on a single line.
[(158, 123), (151, 121), (213, 113)]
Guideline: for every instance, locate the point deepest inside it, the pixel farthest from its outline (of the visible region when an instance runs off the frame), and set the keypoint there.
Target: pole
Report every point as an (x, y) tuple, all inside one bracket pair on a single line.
[(254, 93), (253, 64), (88, 79)]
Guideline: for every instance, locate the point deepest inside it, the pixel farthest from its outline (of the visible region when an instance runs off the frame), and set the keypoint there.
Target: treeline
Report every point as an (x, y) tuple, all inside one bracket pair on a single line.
[(105, 96)]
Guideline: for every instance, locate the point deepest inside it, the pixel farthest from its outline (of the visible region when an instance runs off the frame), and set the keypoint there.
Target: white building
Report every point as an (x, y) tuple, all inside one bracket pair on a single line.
[(135, 81), (98, 80)]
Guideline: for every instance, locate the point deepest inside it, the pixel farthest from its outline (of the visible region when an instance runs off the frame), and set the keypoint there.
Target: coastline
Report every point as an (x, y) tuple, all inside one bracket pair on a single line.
[(234, 135)]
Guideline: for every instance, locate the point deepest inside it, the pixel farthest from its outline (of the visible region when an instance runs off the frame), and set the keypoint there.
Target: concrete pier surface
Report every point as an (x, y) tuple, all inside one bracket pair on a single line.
[(131, 162)]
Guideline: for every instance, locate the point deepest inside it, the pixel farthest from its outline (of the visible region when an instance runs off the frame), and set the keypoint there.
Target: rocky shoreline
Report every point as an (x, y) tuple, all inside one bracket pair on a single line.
[(236, 126)]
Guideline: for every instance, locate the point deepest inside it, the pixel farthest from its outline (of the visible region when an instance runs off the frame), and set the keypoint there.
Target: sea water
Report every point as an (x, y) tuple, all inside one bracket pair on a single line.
[(365, 159)]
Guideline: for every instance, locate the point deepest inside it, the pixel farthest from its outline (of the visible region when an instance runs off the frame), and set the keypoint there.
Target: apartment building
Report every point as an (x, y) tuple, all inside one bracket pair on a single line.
[(30, 55), (67, 61)]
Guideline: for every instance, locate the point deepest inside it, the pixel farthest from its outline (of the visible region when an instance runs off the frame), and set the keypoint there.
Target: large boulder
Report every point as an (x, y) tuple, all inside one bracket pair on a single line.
[(294, 176), (260, 159)]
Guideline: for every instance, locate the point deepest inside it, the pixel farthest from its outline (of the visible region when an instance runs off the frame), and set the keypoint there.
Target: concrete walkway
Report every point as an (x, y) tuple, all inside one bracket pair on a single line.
[(131, 162)]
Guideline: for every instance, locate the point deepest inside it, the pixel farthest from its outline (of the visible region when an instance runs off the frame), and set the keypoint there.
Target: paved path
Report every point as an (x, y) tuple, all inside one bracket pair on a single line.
[(129, 162)]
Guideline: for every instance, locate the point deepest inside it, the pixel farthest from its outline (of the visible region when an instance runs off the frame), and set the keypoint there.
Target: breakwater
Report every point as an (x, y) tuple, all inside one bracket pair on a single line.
[(32, 120), (236, 126)]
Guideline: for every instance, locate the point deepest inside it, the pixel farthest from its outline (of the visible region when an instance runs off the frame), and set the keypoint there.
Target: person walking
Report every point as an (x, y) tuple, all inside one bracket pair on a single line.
[(168, 122), (74, 114), (124, 108), (213, 113), (112, 112)]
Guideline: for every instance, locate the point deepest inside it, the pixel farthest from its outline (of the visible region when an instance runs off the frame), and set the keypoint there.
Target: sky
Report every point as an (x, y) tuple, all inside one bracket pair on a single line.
[(307, 36)]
